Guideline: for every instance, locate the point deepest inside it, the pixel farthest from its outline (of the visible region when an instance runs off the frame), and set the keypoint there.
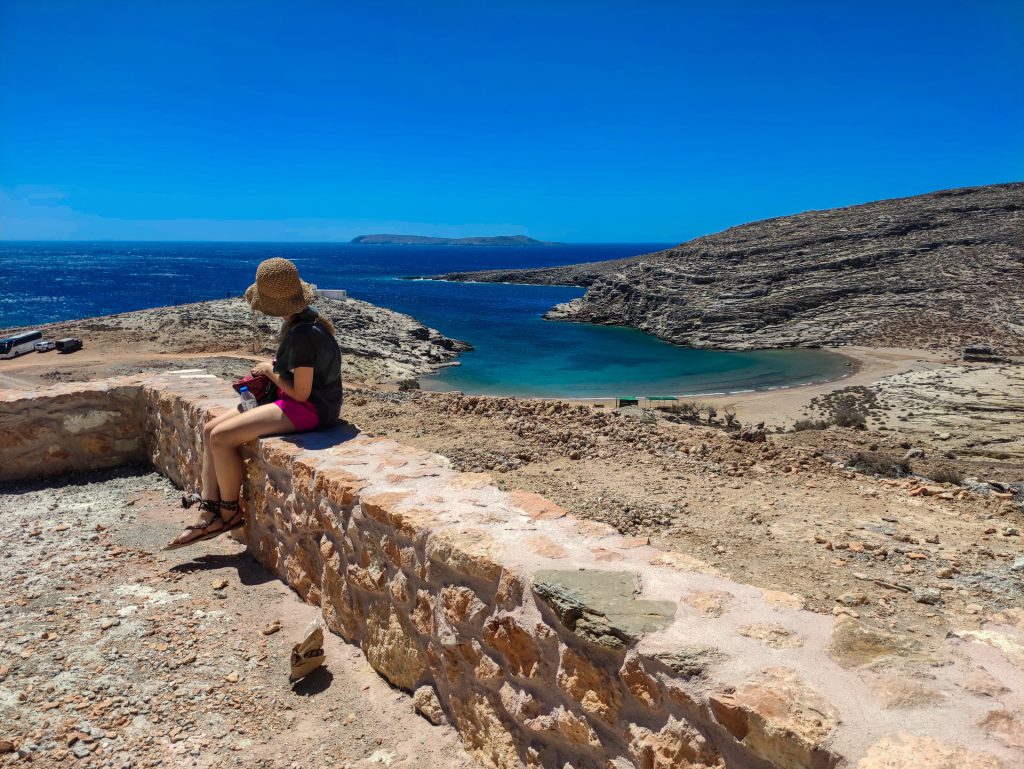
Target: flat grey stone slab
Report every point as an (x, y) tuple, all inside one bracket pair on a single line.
[(601, 606)]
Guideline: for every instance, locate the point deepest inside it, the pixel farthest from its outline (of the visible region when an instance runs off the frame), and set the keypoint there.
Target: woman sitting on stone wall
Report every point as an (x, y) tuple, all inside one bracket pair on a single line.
[(307, 373)]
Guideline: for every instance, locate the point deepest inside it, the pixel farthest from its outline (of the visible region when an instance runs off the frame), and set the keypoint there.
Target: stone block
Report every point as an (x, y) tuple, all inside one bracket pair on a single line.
[(779, 719), (392, 648), (546, 548), (677, 745), (639, 683), (516, 645), (509, 594), (535, 506), (601, 606), (341, 486), (460, 604), (519, 703), (383, 507), (771, 634), (896, 691), (907, 751), (480, 720), (1006, 726), (710, 603), (856, 644), (591, 686), (303, 568), (398, 588), (423, 613), (567, 725), (468, 552)]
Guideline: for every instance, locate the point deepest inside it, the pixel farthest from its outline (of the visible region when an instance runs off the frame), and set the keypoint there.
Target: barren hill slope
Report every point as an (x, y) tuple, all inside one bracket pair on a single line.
[(940, 271)]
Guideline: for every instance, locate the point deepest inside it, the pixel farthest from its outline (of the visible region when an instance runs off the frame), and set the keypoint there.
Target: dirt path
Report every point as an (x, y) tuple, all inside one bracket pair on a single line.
[(121, 656)]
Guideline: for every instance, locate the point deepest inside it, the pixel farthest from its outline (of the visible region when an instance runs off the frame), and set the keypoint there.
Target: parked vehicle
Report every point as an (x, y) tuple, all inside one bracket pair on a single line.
[(69, 345), (13, 346), (45, 346)]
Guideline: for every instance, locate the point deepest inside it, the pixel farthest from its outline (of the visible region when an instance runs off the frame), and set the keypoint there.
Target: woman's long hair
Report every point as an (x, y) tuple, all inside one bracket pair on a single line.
[(308, 315)]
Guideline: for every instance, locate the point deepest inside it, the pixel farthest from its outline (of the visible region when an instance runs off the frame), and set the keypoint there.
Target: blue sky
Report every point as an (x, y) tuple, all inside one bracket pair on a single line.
[(586, 121)]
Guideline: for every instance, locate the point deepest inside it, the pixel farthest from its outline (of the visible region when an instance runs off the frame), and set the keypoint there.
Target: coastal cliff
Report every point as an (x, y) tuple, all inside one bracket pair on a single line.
[(938, 271)]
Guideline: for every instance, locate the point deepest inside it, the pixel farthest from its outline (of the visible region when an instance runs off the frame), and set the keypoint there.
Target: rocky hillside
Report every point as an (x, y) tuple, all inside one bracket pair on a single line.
[(376, 343), (937, 271)]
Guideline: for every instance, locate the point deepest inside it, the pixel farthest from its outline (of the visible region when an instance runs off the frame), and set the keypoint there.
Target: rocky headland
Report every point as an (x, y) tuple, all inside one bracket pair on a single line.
[(377, 344), (567, 275), (425, 240), (940, 271)]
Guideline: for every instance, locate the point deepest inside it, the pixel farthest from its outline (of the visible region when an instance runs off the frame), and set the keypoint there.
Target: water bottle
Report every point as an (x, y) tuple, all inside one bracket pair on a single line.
[(248, 399)]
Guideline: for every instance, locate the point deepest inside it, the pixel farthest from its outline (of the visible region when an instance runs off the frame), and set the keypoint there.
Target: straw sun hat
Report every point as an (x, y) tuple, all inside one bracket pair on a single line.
[(278, 290)]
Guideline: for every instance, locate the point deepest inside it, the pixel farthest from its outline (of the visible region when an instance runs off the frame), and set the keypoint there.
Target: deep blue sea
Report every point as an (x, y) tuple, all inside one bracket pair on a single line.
[(517, 352)]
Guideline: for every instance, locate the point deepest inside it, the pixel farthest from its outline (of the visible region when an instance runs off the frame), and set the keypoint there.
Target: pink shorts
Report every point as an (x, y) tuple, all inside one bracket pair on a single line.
[(302, 415)]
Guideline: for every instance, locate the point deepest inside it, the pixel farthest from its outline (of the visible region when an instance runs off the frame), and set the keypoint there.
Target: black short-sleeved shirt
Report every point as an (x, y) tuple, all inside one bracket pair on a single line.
[(309, 345)]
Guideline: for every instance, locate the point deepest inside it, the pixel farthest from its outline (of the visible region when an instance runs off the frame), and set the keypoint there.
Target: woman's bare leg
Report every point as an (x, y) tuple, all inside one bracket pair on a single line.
[(222, 436), (209, 487), (227, 436)]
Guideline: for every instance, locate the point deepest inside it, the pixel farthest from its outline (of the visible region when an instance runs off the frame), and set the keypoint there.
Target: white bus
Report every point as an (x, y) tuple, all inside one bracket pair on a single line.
[(13, 346)]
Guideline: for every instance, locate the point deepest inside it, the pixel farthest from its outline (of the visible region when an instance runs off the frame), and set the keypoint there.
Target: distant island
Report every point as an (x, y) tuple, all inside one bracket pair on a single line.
[(423, 240)]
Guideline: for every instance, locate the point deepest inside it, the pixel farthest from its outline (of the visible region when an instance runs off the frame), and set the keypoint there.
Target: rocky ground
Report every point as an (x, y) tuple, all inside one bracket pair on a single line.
[(938, 271), (116, 654)]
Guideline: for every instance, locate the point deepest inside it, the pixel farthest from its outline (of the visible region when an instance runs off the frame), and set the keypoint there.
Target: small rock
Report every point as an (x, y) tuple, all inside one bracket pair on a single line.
[(944, 573), (80, 749), (1018, 565), (928, 595), (219, 584), (6, 746), (232, 677), (272, 627), (107, 622), (426, 703), (1011, 531)]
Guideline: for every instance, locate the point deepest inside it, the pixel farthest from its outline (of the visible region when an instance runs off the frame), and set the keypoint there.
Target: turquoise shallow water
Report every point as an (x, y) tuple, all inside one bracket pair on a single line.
[(517, 352)]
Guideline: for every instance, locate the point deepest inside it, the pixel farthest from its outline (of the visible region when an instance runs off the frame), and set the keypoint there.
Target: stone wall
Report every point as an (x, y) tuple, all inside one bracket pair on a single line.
[(552, 642), (72, 427)]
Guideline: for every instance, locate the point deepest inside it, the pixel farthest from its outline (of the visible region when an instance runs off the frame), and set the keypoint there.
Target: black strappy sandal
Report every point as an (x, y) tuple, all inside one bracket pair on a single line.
[(237, 517), (207, 506), (188, 500)]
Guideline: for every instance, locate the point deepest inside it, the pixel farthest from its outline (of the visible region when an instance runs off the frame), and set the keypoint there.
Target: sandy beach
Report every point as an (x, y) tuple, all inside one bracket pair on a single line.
[(783, 406)]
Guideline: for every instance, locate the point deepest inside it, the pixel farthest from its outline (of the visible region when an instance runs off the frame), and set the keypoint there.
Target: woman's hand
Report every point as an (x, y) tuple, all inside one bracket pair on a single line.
[(265, 367)]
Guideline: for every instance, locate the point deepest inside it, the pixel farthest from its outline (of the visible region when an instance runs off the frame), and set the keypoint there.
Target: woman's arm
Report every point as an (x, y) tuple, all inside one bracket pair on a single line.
[(298, 389)]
